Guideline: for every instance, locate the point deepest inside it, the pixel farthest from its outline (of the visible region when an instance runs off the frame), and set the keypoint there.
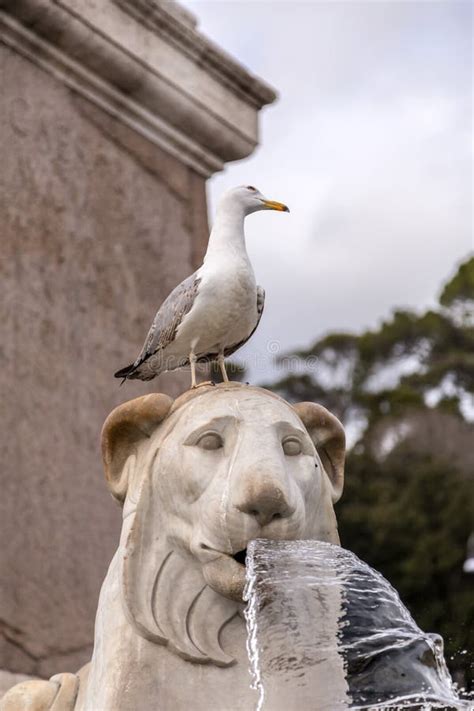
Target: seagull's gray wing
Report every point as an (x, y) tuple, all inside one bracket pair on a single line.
[(169, 316), (260, 307), (164, 327)]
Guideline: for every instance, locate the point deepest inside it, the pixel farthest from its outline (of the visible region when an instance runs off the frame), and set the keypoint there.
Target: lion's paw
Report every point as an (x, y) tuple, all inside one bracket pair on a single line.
[(57, 694)]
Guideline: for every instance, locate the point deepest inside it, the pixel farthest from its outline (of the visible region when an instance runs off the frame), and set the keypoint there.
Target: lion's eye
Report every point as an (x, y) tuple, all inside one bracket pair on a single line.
[(291, 446), (210, 441)]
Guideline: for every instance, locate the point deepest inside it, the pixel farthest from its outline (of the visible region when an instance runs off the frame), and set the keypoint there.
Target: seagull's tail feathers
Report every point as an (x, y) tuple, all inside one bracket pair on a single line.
[(125, 373), (140, 370)]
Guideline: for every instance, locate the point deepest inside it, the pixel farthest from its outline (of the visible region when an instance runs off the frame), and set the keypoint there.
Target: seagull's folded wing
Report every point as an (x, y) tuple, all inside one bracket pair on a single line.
[(169, 316), (260, 306)]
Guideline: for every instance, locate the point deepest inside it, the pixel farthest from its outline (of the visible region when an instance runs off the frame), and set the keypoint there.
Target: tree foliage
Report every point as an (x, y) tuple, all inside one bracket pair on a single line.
[(458, 293), (409, 516), (405, 392)]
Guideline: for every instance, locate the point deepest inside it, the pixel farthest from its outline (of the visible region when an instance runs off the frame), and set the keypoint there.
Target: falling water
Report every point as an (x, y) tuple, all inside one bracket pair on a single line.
[(326, 633)]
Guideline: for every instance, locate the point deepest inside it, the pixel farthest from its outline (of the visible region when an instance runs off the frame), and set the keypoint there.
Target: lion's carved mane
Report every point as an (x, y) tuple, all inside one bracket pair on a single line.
[(165, 595)]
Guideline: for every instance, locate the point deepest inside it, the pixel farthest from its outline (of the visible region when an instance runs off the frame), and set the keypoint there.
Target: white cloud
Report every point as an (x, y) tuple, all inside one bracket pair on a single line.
[(369, 145)]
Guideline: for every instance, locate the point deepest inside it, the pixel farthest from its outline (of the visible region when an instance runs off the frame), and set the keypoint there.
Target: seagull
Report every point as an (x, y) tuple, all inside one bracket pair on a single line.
[(214, 311)]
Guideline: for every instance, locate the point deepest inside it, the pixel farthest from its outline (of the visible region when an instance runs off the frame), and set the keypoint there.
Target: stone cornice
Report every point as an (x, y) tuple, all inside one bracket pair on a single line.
[(163, 18), (143, 62)]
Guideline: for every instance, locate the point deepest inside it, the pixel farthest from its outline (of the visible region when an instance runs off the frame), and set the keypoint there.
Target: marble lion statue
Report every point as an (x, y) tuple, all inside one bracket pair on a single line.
[(198, 478)]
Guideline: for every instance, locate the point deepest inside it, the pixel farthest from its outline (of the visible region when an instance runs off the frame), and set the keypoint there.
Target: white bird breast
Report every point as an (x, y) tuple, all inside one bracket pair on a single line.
[(224, 312)]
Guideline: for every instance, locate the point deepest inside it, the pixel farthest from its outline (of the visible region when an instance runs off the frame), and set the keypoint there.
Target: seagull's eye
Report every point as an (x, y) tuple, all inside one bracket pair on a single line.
[(250, 187), (292, 446), (210, 441)]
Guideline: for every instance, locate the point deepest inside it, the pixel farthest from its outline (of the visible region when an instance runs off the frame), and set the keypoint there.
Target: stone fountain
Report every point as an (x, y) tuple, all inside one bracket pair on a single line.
[(198, 479), (201, 479)]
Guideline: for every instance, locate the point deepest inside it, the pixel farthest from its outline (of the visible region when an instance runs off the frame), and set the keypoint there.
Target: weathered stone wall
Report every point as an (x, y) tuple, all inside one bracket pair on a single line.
[(96, 229), (113, 113)]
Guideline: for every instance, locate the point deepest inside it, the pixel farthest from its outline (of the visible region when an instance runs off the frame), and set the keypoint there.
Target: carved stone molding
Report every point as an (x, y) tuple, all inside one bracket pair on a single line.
[(144, 63), (165, 18)]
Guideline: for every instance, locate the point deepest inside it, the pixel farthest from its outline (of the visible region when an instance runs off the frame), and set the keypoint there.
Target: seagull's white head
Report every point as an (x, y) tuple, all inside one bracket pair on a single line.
[(249, 199)]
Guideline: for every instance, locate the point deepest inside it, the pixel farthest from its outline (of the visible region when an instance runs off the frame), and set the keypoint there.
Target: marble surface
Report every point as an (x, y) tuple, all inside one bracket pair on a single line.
[(198, 478)]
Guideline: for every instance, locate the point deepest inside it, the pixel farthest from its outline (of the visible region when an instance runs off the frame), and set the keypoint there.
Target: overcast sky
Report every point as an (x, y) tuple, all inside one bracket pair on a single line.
[(370, 145)]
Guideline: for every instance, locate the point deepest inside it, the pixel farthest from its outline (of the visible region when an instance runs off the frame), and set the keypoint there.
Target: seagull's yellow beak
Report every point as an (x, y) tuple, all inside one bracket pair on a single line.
[(272, 205)]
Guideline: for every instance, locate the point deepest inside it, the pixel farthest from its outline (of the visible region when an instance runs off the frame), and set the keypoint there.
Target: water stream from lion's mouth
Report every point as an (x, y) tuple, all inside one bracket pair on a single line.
[(326, 632)]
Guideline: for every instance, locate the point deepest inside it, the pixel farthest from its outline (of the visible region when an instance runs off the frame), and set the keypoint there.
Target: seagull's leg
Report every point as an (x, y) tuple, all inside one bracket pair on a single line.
[(220, 360), (193, 361)]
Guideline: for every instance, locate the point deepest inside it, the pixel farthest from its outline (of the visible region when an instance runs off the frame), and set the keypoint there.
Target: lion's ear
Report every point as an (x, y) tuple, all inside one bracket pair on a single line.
[(329, 439), (123, 430)]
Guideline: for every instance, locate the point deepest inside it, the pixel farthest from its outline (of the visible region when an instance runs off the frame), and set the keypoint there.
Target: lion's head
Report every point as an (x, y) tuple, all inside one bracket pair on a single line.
[(199, 478)]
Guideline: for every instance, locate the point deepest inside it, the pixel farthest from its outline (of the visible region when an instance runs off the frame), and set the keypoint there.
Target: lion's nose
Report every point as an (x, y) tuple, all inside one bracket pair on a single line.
[(265, 503)]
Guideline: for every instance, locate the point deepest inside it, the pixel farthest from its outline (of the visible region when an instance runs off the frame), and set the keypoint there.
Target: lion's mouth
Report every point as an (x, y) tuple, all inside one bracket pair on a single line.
[(240, 556), (226, 574)]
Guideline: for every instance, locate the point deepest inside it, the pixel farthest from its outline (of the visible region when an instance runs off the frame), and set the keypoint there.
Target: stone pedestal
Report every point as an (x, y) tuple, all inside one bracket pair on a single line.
[(113, 114)]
